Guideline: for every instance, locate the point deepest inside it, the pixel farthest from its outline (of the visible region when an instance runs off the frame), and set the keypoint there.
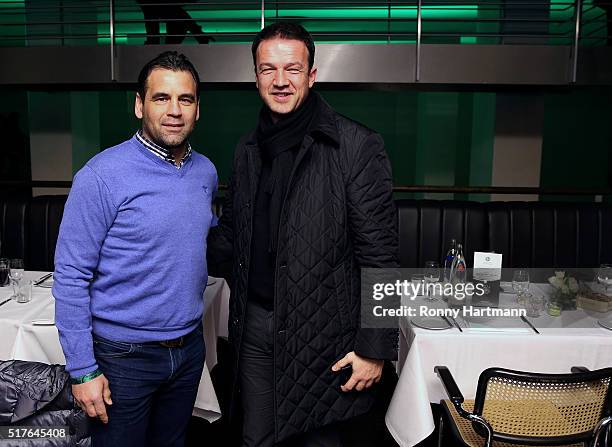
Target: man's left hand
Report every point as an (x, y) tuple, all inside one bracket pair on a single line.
[(366, 372)]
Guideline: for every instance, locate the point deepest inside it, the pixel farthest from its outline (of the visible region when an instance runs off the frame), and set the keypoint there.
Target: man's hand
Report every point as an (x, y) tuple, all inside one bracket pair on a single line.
[(91, 397), (366, 371)]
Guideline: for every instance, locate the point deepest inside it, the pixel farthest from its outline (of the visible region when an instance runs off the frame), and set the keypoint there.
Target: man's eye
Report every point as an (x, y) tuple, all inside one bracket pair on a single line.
[(161, 99), (186, 101), (266, 71), (294, 71)]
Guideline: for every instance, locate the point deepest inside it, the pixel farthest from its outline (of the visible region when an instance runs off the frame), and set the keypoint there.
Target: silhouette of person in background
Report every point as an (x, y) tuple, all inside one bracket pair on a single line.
[(178, 22)]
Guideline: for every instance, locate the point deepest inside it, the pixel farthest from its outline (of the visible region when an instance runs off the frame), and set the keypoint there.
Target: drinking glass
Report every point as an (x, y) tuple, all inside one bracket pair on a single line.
[(432, 276), (16, 275), (534, 305), (604, 275), (520, 283), (5, 270), (24, 294), (418, 280)]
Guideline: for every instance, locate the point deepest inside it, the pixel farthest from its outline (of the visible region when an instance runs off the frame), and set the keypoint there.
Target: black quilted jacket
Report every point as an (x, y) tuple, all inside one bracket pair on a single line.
[(338, 216), (38, 395)]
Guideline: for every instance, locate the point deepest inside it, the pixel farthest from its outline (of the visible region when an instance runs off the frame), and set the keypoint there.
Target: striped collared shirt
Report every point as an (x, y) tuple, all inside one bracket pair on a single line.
[(162, 152)]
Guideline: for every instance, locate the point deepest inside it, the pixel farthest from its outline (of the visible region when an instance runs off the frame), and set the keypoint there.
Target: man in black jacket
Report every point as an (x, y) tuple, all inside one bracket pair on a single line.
[(309, 204)]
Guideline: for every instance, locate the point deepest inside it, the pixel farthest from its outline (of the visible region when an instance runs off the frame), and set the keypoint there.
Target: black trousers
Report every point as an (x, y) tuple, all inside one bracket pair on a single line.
[(257, 387)]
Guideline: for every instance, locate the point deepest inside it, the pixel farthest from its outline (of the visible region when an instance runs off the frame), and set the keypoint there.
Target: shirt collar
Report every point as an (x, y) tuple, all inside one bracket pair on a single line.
[(161, 151)]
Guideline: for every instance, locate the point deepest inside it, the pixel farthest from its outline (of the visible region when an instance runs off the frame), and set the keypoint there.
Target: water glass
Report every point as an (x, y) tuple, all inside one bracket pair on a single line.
[(534, 305), (520, 282), (16, 275), (418, 283), (17, 269), (604, 275), (24, 293), (432, 276), (5, 271)]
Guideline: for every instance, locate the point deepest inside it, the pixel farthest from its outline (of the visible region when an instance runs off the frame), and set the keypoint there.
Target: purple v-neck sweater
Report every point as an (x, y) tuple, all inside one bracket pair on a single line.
[(130, 261)]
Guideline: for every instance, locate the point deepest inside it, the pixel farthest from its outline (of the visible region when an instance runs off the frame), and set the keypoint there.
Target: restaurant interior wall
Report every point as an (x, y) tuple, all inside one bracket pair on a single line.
[(577, 141), (440, 137), (432, 137)]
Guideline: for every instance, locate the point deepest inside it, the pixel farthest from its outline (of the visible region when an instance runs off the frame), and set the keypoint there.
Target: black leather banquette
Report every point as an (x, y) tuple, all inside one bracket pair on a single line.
[(529, 234)]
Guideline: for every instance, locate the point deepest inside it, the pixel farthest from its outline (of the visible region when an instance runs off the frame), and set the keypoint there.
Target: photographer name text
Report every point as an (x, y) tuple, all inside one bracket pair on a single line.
[(464, 311)]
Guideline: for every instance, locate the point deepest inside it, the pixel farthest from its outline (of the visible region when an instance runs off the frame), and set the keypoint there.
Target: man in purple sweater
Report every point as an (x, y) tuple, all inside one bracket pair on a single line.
[(130, 269)]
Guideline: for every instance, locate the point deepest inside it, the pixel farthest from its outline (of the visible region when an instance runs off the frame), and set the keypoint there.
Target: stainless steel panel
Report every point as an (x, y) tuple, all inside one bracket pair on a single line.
[(393, 64), (55, 65), (495, 64)]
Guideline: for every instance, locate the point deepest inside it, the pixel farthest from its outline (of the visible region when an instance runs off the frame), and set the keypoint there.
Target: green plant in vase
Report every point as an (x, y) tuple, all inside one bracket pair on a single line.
[(564, 290)]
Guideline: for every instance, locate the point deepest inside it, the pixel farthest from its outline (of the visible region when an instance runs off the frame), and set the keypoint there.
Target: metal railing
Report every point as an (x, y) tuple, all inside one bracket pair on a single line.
[(572, 23), (384, 21), (430, 189)]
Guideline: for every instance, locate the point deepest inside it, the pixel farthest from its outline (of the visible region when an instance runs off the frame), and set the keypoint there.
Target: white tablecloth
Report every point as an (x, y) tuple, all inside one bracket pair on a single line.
[(21, 340), (573, 339)]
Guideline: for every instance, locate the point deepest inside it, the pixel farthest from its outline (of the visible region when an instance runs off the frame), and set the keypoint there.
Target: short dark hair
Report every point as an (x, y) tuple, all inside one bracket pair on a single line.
[(168, 60), (285, 30)]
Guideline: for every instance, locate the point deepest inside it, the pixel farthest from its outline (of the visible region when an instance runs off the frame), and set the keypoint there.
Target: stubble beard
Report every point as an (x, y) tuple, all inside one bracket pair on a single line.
[(170, 142)]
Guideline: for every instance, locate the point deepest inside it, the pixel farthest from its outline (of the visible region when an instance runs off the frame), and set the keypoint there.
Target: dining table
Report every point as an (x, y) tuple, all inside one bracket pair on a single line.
[(28, 332), (470, 344)]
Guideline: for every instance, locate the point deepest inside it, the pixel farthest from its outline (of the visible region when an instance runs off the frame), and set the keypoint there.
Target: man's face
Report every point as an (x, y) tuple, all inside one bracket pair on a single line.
[(169, 109), (283, 78)]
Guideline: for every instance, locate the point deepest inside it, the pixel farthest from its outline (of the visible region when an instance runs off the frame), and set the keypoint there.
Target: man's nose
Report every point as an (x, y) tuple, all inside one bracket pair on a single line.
[(174, 108), (280, 79)]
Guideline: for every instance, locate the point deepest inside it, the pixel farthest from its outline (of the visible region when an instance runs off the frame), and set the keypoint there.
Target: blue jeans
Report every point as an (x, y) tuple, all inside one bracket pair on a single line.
[(153, 389)]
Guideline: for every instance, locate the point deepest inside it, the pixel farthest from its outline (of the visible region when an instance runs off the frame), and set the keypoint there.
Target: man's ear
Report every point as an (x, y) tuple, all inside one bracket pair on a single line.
[(138, 105), (312, 77), (256, 79), (198, 110)]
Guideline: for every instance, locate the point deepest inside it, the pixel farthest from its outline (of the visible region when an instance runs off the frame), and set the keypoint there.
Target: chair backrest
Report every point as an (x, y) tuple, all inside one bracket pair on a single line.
[(552, 408)]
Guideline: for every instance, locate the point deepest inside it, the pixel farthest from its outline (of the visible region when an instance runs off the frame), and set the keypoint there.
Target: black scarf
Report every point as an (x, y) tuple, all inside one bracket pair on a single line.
[(279, 143)]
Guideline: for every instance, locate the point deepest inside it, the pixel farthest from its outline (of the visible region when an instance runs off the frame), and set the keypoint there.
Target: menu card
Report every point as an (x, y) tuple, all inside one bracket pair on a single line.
[(487, 270)]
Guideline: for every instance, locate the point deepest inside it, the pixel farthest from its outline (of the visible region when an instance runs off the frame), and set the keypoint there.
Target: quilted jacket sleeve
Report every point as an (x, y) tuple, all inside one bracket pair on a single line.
[(373, 224)]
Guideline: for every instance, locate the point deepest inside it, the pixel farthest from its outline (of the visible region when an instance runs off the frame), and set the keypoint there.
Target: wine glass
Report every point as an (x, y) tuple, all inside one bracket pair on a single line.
[(432, 275), (520, 283), (604, 275), (16, 275)]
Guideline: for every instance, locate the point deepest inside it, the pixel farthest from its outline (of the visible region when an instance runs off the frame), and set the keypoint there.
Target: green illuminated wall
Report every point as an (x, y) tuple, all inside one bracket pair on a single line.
[(577, 140), (432, 138), (225, 19), (439, 138)]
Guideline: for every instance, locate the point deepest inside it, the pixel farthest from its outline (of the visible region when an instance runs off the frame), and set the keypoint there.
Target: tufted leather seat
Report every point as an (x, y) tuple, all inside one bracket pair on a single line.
[(45, 217), (29, 229), (13, 220), (529, 234)]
